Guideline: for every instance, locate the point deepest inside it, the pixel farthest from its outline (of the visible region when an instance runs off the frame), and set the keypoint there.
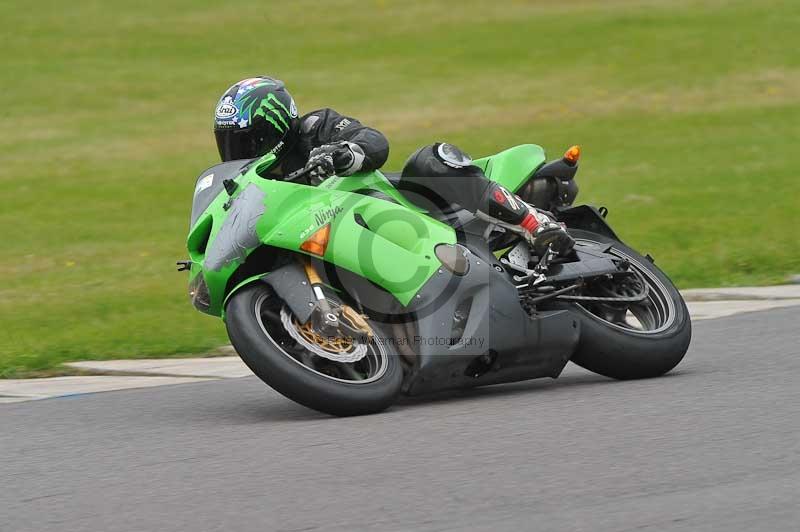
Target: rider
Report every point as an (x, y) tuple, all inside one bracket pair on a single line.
[(257, 116)]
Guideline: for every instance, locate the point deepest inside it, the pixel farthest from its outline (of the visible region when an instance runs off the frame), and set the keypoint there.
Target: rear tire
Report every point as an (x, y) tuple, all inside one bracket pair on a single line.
[(623, 353), (273, 364)]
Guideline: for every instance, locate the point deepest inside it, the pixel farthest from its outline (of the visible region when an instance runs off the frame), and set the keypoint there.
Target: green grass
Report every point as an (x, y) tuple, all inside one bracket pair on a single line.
[(688, 113)]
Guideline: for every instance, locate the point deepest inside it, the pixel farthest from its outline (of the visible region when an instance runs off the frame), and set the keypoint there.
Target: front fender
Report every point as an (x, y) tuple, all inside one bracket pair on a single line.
[(290, 284)]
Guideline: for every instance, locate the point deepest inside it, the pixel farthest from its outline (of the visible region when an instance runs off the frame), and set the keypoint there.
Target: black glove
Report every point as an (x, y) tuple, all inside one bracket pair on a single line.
[(347, 156), (321, 167)]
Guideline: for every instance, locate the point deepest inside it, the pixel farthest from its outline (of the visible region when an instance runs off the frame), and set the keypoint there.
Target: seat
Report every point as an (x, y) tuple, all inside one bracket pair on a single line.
[(455, 216), (511, 168)]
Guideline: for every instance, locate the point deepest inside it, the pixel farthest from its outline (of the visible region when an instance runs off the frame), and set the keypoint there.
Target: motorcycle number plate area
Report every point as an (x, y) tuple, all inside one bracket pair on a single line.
[(237, 235), (210, 184)]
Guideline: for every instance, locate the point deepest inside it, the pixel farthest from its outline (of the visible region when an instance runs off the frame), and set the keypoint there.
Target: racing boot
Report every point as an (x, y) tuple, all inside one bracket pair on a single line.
[(539, 229)]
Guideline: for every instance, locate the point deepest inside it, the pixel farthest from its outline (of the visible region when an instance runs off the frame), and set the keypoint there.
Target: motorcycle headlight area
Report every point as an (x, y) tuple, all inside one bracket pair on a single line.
[(198, 293)]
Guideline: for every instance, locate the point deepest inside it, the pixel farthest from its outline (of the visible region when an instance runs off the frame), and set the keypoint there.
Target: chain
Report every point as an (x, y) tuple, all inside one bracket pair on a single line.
[(621, 299), (564, 296), (641, 296)]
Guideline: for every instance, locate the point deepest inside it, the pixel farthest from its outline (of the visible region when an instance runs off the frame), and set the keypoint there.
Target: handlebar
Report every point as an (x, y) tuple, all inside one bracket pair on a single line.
[(298, 174)]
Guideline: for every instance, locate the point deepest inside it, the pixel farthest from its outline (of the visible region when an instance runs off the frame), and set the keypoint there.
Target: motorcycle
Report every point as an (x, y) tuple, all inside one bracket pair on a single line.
[(345, 295)]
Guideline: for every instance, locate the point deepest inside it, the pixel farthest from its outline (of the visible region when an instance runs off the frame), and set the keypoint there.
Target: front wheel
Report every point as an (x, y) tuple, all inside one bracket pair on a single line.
[(290, 362), (632, 341)]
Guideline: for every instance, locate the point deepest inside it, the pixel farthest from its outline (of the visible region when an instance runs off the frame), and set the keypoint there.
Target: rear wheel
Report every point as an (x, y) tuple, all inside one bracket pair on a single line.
[(631, 340), (294, 362)]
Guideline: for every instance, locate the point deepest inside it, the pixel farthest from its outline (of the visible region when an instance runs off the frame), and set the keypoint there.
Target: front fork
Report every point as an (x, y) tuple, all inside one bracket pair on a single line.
[(326, 319)]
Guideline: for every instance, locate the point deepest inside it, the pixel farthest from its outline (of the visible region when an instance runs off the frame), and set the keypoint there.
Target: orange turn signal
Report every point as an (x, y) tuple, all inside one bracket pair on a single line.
[(573, 154), (318, 242)]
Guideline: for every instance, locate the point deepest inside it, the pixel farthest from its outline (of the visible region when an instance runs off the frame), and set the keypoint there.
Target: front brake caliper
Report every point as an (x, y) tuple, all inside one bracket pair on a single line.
[(356, 324)]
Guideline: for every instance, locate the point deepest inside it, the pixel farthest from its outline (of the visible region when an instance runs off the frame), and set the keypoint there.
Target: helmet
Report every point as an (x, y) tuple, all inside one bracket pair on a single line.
[(255, 116)]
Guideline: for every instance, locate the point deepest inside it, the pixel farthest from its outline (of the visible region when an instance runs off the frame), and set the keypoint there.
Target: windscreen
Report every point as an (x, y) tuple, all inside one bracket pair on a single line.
[(209, 185)]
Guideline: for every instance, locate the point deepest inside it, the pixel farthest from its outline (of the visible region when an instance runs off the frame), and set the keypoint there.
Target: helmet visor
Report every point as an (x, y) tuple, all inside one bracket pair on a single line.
[(234, 144), (246, 143)]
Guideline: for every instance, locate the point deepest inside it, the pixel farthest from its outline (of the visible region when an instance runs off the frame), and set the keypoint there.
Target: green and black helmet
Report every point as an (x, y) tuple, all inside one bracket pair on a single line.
[(255, 116)]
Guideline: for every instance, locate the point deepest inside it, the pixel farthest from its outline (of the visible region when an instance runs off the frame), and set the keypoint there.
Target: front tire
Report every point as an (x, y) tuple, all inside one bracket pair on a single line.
[(620, 351), (274, 359)]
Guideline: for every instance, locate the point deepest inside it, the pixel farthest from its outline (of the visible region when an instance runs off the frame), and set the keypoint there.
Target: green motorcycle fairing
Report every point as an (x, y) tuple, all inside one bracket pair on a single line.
[(512, 167), (388, 242), (382, 237)]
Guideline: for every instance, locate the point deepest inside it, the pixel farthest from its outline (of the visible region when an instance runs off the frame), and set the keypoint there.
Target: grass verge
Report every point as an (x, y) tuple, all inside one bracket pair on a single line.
[(688, 112)]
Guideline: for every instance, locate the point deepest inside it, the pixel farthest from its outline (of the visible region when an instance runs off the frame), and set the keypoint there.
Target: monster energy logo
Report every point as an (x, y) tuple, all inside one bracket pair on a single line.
[(269, 110)]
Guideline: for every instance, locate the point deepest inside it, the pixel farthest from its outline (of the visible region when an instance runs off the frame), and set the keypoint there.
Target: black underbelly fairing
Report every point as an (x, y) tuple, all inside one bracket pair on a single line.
[(472, 331)]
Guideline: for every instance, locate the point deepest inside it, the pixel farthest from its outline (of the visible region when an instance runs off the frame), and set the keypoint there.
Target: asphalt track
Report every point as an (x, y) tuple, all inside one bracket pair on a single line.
[(713, 446)]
